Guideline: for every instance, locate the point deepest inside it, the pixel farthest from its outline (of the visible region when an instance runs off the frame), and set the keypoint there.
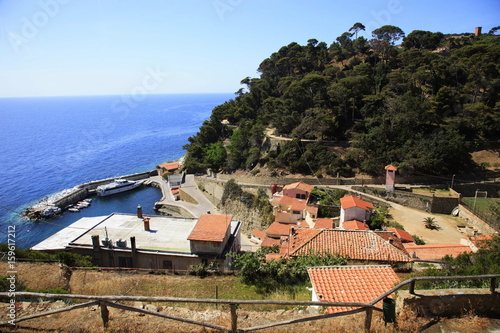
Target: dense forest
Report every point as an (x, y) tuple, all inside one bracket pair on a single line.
[(421, 101)]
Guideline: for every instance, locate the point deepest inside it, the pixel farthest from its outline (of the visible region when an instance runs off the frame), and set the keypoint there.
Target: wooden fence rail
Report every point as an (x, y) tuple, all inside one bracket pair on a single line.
[(110, 301)]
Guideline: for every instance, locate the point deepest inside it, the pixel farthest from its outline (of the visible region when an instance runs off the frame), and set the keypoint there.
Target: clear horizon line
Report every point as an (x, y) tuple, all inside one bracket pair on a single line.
[(116, 94)]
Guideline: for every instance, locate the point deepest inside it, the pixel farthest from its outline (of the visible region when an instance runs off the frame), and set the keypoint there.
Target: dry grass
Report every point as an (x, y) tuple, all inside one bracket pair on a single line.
[(111, 283), (229, 287), (39, 275)]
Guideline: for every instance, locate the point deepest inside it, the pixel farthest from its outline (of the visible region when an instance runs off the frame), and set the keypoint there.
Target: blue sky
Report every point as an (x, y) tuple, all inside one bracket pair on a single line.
[(89, 47)]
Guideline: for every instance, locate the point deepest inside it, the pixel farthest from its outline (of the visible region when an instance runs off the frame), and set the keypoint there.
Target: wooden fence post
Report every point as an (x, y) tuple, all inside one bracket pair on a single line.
[(368, 319), (234, 318), (104, 314), (493, 285)]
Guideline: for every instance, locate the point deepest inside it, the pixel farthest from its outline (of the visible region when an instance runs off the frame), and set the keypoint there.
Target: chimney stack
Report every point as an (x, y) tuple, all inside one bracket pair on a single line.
[(146, 224), (139, 211), (478, 31)]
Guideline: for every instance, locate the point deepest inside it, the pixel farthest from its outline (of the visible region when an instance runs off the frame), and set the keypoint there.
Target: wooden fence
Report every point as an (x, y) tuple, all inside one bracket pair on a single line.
[(110, 301)]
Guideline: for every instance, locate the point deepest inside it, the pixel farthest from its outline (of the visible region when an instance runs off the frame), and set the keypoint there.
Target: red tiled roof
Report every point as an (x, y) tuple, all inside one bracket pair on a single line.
[(324, 223), (170, 166), (355, 225), (300, 186), (352, 201), (351, 283), (478, 241), (392, 239), (303, 223), (268, 241), (258, 233), (211, 228), (356, 244), (295, 204), (276, 228), (391, 167), (312, 210), (403, 235), (436, 251)]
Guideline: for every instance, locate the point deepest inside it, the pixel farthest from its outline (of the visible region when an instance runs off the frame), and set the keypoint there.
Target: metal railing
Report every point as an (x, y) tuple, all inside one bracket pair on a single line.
[(110, 301)]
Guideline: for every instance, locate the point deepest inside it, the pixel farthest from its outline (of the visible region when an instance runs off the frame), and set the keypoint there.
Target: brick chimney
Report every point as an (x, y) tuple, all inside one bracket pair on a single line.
[(146, 224)]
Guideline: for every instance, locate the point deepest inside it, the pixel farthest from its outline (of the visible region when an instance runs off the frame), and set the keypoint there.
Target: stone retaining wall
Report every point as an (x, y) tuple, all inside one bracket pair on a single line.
[(186, 197), (455, 301), (433, 204), (475, 221)]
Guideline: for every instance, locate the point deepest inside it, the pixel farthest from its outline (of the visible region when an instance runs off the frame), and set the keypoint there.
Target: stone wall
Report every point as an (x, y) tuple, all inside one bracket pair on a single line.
[(433, 204), (475, 221), (444, 205), (469, 190), (186, 197), (450, 302), (211, 188), (136, 176), (172, 210), (280, 180), (72, 198)]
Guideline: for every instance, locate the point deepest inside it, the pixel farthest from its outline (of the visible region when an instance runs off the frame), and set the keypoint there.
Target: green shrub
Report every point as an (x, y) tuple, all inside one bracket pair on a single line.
[(58, 290), (254, 172), (418, 240), (394, 224)]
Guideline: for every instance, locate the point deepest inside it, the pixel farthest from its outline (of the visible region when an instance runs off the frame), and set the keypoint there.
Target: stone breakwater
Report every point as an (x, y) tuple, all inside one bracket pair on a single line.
[(55, 203)]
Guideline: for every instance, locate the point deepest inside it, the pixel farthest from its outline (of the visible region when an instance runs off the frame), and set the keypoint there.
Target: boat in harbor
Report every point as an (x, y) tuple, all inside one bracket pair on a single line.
[(118, 186)]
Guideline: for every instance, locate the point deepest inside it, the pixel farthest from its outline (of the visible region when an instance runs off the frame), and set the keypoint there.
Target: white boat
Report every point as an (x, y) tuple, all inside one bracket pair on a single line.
[(118, 186), (73, 209)]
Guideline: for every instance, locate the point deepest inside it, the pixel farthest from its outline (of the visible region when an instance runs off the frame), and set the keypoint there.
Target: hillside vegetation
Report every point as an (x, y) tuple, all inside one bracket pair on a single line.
[(422, 105)]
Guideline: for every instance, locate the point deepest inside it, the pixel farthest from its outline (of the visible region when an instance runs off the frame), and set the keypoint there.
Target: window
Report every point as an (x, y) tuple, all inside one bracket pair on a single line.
[(297, 196), (296, 212)]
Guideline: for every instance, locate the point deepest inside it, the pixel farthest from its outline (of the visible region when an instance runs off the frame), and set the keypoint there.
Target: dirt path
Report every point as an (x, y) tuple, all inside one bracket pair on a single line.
[(412, 220)]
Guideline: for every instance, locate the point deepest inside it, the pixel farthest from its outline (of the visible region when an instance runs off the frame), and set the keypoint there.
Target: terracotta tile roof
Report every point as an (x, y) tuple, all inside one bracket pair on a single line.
[(391, 237), (276, 228), (437, 251), (303, 223), (268, 241), (211, 228), (300, 186), (403, 235), (258, 233), (351, 283), (312, 209), (356, 244), (476, 242), (324, 223), (391, 167), (355, 225), (170, 166), (352, 201), (295, 204)]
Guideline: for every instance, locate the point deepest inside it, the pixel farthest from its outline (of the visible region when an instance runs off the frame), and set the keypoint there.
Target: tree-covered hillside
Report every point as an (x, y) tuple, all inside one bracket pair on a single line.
[(422, 105)]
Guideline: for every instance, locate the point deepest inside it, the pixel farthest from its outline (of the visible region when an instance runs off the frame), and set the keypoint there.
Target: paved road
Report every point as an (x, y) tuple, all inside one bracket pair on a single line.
[(190, 187)]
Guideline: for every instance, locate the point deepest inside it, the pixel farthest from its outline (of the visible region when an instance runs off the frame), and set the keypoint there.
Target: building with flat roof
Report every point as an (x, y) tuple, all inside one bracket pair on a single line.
[(153, 242)]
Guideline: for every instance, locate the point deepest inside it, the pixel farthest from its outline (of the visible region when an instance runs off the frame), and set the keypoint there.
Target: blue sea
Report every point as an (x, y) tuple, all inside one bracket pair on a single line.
[(48, 144)]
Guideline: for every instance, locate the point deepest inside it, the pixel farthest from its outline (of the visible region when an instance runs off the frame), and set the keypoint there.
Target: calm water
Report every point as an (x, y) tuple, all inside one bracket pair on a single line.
[(53, 143)]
